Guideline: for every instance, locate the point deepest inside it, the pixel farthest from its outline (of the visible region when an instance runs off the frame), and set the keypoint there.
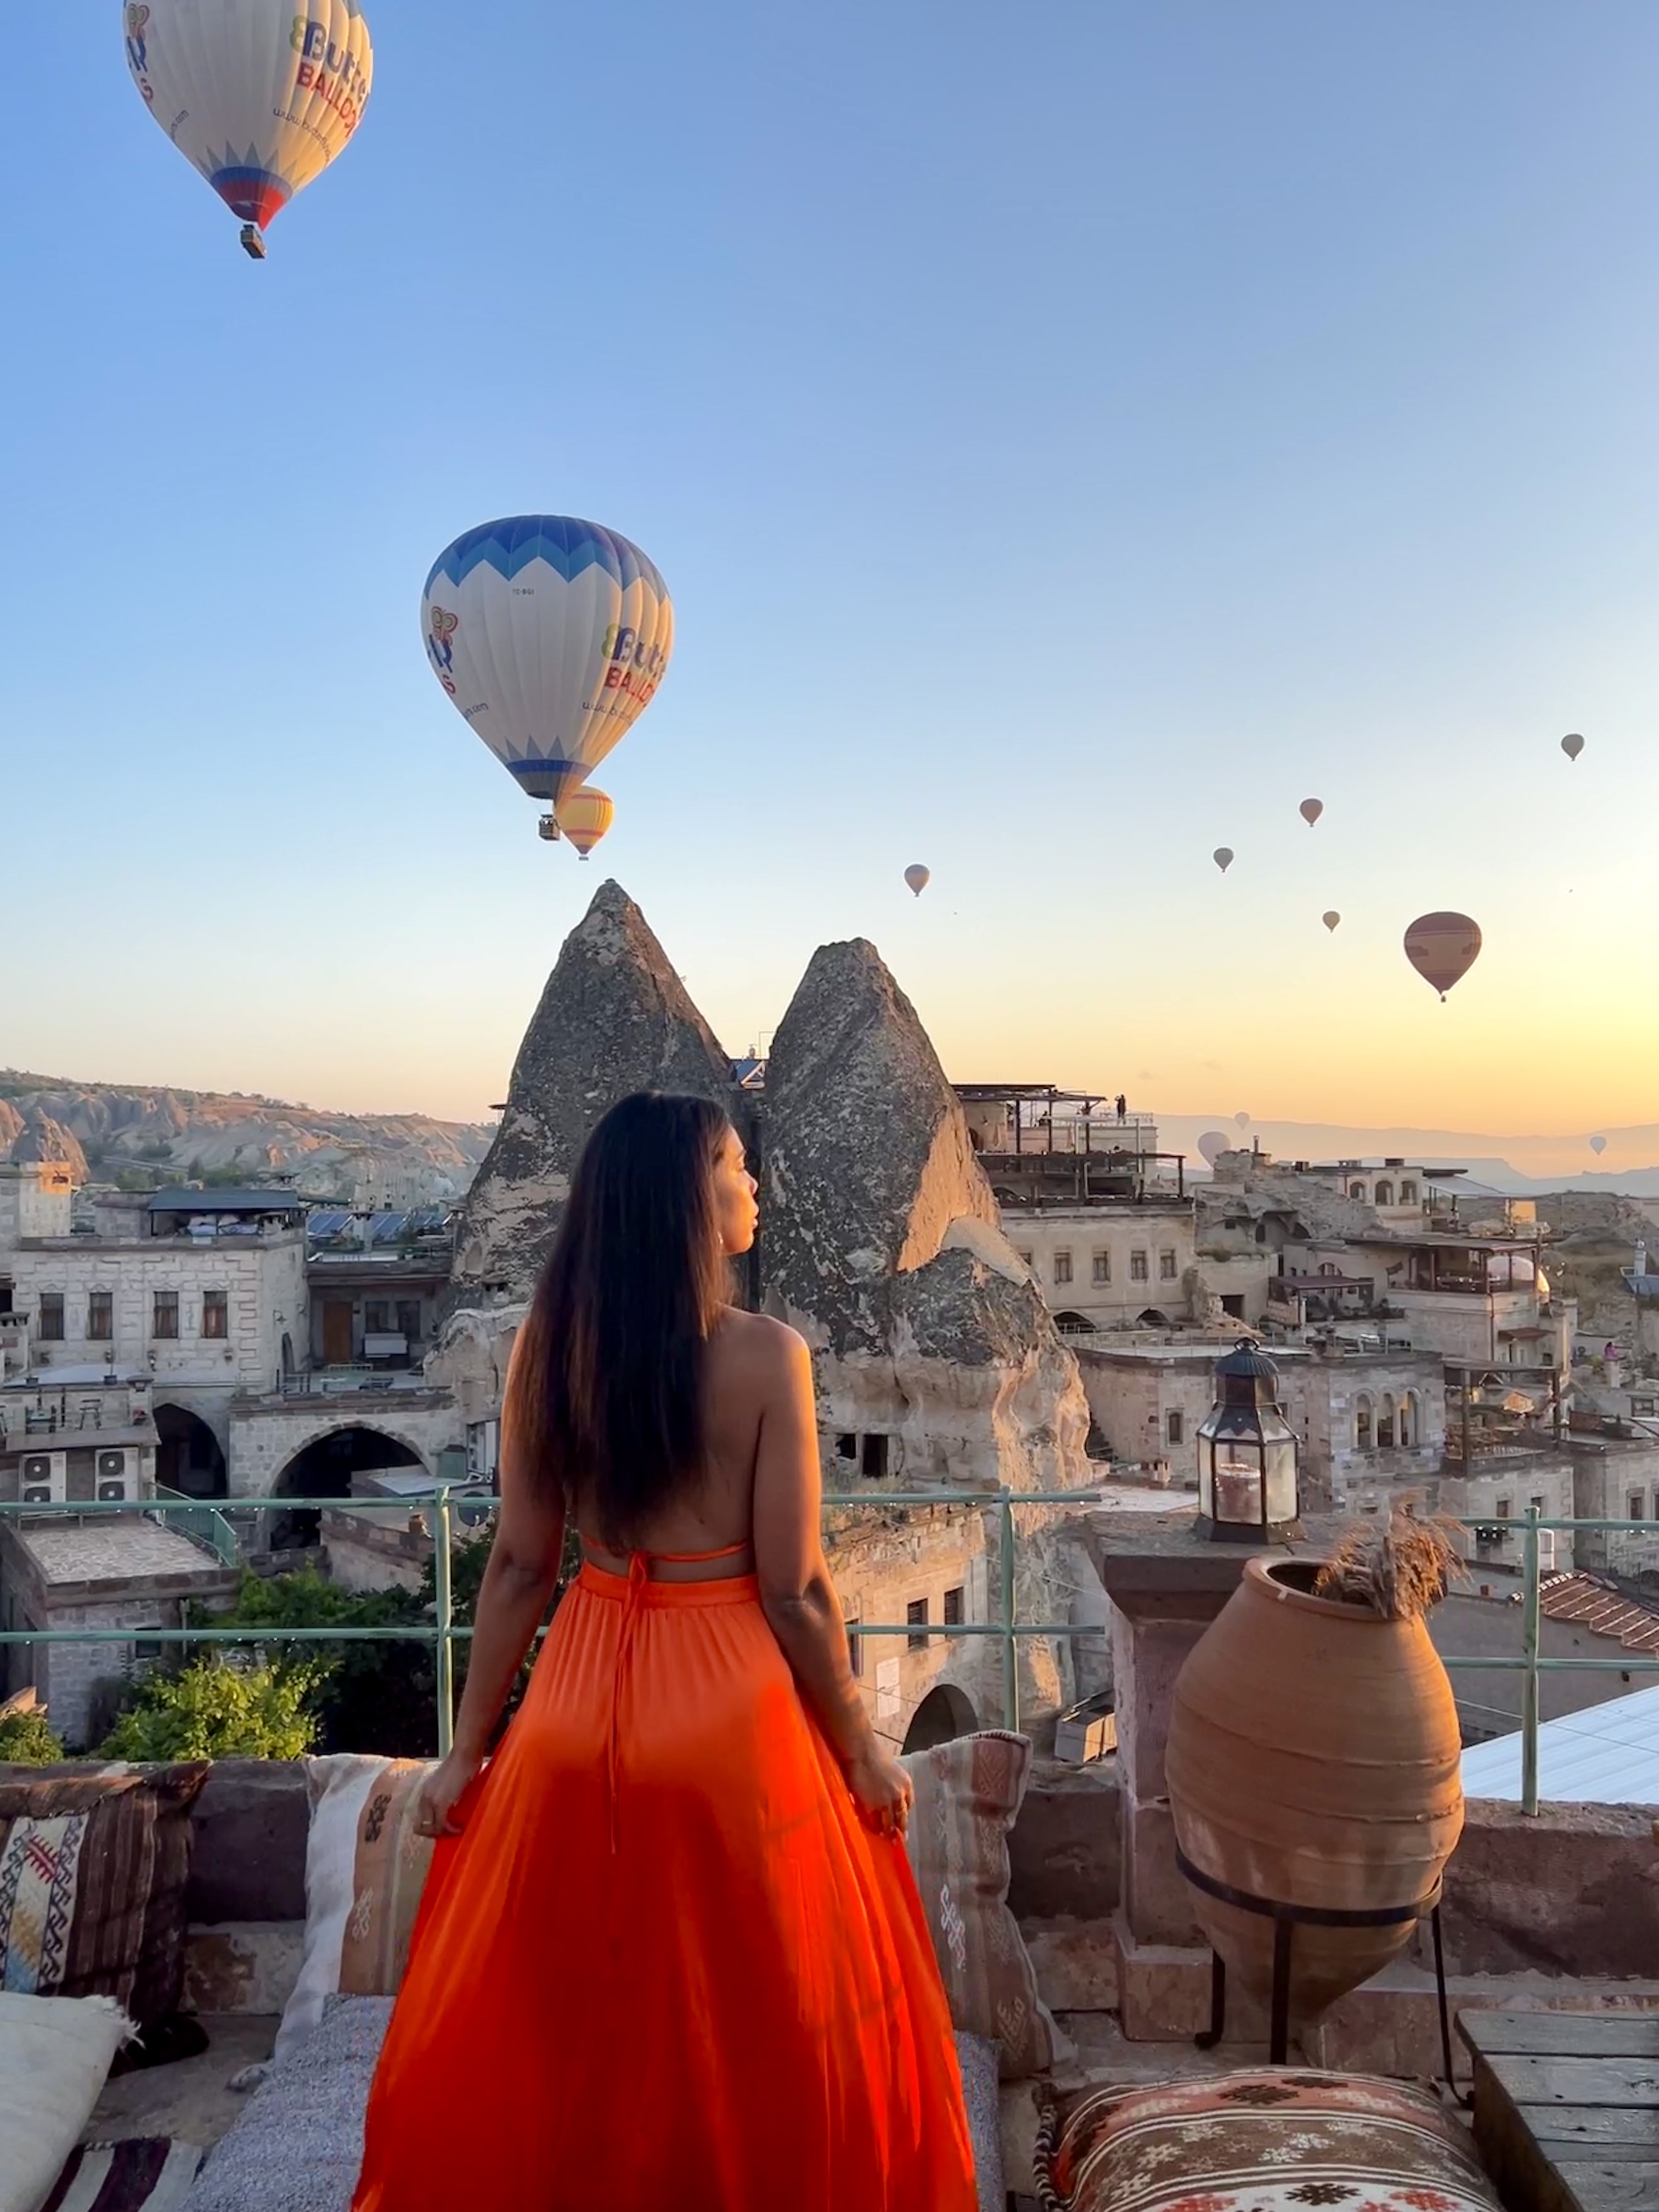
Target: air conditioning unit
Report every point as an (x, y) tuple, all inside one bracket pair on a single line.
[(42, 1478), (115, 1477)]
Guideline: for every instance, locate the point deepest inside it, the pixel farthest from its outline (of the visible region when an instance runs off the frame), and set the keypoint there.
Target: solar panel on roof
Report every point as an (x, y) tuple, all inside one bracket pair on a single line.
[(327, 1223), (386, 1228)]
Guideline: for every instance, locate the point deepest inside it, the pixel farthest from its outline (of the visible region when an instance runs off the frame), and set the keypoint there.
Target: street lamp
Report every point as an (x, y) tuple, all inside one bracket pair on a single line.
[(1246, 1489)]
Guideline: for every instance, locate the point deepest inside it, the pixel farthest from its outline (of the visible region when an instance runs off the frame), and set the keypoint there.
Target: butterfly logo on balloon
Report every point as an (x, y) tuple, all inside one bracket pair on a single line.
[(444, 626), (138, 48)]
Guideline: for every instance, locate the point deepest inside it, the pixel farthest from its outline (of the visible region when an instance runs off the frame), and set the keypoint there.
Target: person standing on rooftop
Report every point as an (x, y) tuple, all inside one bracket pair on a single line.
[(671, 1951)]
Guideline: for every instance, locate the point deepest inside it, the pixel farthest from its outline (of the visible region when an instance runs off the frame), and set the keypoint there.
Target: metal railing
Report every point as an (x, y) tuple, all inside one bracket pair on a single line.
[(199, 1519), (444, 1632)]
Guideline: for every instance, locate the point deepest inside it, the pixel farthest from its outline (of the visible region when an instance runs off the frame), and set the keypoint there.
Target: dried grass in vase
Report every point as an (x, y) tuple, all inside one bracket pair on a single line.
[(1399, 1567)]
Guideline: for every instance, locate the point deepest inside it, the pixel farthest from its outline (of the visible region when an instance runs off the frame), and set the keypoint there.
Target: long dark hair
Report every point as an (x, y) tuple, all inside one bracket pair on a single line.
[(605, 1395)]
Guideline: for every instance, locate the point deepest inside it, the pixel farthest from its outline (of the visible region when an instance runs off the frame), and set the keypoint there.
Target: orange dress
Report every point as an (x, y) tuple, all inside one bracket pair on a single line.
[(667, 1963)]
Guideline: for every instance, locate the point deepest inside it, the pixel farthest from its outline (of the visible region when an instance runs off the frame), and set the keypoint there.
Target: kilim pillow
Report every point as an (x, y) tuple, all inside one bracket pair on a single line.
[(92, 1872), (1270, 2140), (969, 1793), (365, 1869)]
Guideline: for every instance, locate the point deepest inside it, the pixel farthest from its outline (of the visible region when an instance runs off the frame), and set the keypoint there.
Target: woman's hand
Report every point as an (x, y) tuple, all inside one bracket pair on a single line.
[(442, 1790), (881, 1790)]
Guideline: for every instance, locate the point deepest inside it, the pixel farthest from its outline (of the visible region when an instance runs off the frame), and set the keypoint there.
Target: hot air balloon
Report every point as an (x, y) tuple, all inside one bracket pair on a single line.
[(1213, 1143), (1242, 1120), (918, 878), (1572, 746), (1223, 857), (260, 95), (1598, 1145), (1330, 918), (550, 635), (1311, 810), (1443, 948), (585, 817)]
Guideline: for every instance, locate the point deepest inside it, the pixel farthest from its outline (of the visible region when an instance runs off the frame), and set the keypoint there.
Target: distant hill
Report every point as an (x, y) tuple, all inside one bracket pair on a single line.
[(111, 1130), (1522, 1165)]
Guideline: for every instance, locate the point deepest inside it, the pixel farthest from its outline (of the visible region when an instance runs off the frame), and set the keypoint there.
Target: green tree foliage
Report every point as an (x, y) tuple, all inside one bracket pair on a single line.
[(220, 1709), (26, 1741)]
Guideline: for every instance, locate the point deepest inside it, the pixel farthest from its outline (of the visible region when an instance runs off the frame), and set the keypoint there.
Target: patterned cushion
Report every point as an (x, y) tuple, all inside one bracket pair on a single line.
[(1270, 2140), (146, 2173), (365, 1869), (969, 1793), (93, 1871)]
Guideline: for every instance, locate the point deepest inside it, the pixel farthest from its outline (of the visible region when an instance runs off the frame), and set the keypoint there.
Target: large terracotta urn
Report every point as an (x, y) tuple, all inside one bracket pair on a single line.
[(1313, 1760)]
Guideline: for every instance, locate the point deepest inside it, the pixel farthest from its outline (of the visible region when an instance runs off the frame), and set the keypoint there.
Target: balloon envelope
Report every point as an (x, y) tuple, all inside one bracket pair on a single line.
[(1223, 857), (1242, 1120), (1443, 948), (1331, 918), (585, 817), (1572, 746), (550, 635), (259, 95), (1311, 810), (1598, 1145), (918, 878), (1213, 1143)]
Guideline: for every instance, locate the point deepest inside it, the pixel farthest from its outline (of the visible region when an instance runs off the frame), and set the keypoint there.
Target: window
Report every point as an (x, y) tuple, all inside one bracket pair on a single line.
[(1102, 1268), (1361, 1423), (1537, 1504), (1505, 1510), (1174, 1428), (376, 1322), (916, 1613), (5, 1298), (1357, 1190), (953, 1608), (216, 1313), (409, 1318), (1408, 1414), (1062, 1266), (52, 1317), (873, 1460), (1408, 1194), (101, 1317), (1385, 1426), (1024, 1258), (1166, 1267), (164, 1313), (1385, 1194), (1138, 1267), (846, 1447), (1634, 1506)]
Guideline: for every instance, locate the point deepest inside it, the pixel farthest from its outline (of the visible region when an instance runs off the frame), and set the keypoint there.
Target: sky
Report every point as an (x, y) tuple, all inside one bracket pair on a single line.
[(1071, 437)]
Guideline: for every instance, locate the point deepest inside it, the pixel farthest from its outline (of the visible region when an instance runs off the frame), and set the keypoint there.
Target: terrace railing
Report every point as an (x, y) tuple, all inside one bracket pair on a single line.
[(444, 1632)]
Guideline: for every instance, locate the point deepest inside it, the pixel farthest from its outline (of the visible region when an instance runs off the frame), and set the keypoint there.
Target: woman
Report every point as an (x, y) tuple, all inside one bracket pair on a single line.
[(670, 1953)]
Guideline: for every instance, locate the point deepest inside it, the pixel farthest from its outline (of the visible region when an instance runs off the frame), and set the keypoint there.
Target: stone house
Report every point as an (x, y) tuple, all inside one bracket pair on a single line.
[(1115, 1263)]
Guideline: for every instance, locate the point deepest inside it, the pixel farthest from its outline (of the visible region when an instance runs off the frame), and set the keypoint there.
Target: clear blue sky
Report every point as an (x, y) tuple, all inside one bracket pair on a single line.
[(1072, 436)]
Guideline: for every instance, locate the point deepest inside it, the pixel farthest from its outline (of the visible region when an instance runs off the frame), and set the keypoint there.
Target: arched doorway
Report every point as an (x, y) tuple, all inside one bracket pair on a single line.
[(188, 1457), (325, 1469), (944, 1713)]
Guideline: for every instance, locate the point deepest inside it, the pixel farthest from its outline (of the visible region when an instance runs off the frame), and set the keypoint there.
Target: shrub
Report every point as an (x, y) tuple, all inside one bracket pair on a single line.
[(217, 1709), (26, 1741)]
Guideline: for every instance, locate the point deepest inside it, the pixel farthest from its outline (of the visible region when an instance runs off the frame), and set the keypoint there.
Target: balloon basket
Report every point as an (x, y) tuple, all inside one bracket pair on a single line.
[(253, 241), (548, 830)]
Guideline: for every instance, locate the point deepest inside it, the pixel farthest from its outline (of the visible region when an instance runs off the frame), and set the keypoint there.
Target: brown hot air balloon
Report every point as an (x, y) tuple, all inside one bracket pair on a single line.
[(1330, 918), (1311, 810), (1443, 948)]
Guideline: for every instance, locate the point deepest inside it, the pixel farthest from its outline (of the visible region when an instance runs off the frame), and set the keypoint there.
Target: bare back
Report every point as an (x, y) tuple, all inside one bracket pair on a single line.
[(761, 1464)]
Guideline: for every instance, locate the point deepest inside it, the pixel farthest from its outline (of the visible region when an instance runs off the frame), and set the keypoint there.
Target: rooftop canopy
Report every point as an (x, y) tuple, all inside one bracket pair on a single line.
[(227, 1201)]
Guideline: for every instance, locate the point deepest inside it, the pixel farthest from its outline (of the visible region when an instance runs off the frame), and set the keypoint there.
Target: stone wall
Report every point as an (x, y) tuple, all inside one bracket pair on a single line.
[(265, 1435)]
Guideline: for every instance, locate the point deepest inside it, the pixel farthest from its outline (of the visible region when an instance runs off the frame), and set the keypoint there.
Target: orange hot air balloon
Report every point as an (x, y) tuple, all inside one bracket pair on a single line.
[(1311, 810), (1443, 948), (1331, 918), (1572, 746), (585, 817)]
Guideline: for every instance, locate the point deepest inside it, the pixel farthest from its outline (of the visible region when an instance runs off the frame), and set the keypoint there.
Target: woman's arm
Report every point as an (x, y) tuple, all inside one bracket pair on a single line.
[(519, 1579), (796, 1592)]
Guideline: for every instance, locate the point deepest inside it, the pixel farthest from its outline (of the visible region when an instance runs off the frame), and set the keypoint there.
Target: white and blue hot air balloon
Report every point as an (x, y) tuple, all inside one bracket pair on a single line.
[(552, 636), (259, 95)]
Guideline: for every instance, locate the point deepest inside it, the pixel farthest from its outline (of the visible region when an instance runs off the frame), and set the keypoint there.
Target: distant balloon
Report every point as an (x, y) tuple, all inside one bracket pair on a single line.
[(1572, 746), (258, 96), (1311, 810), (1242, 1120), (1223, 857), (550, 636), (1443, 948), (585, 817), (1330, 918), (918, 878), (1598, 1145), (1213, 1143)]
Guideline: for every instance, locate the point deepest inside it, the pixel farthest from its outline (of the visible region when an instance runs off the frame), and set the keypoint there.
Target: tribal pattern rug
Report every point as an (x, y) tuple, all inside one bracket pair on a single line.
[(147, 2175)]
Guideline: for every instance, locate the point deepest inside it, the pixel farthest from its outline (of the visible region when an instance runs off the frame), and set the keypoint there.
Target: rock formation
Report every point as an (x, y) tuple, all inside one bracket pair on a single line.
[(614, 1019), (43, 1139)]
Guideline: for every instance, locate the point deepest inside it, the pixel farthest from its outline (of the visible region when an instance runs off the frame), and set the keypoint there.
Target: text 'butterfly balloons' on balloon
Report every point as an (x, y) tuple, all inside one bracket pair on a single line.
[(1213, 1143), (1223, 857), (1443, 948), (258, 95), (550, 635), (918, 878)]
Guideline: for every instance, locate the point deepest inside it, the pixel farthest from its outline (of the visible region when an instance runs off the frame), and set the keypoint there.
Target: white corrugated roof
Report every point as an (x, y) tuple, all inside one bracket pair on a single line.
[(1607, 1754)]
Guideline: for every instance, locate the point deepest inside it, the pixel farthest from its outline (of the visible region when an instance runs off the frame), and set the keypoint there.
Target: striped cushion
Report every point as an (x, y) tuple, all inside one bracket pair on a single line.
[(93, 1871)]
